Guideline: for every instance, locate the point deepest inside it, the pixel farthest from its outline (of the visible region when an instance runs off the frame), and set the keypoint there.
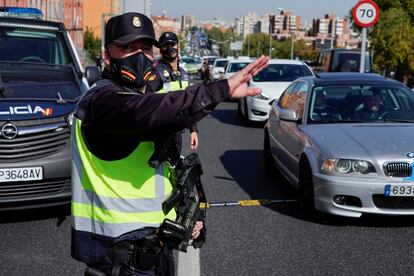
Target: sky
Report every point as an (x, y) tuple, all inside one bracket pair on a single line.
[(228, 10)]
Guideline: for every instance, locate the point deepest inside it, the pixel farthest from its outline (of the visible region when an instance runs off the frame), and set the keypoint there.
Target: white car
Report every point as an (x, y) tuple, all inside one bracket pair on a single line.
[(217, 71), (235, 65), (273, 81)]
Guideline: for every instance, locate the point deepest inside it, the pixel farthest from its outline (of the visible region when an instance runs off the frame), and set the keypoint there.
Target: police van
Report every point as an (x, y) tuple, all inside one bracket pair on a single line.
[(41, 80)]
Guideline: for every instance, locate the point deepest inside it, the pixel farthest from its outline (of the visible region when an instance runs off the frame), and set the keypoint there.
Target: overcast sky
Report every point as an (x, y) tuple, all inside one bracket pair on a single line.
[(231, 9)]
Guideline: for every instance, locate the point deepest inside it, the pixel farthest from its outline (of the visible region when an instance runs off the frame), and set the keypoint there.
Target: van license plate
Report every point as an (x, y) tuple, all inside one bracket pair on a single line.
[(21, 174), (399, 190)]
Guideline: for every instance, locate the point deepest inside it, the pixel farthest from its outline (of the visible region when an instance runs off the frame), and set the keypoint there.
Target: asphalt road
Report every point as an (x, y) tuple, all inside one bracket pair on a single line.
[(256, 240)]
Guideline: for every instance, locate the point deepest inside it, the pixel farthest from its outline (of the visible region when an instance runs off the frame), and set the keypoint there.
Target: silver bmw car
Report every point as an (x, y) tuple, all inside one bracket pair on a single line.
[(346, 142)]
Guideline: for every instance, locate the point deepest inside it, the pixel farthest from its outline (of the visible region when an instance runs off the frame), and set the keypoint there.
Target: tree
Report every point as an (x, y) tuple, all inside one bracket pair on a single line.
[(392, 39), (222, 39), (257, 44), (92, 44)]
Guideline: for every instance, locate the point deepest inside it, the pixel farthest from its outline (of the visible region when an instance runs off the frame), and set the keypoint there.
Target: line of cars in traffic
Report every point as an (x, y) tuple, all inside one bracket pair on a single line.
[(343, 140)]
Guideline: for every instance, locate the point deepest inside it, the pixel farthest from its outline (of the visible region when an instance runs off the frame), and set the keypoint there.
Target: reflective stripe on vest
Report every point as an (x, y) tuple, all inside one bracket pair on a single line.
[(111, 198), (173, 86)]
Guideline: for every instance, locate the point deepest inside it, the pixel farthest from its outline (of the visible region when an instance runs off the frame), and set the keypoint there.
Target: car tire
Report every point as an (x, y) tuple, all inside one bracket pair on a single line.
[(239, 111), (306, 191), (246, 112)]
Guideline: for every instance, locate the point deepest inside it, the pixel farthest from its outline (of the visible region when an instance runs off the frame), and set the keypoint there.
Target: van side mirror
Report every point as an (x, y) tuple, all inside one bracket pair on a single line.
[(93, 74)]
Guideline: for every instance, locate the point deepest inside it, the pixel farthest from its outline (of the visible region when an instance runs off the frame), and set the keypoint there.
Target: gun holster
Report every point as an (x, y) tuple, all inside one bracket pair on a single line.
[(142, 254), (171, 233)]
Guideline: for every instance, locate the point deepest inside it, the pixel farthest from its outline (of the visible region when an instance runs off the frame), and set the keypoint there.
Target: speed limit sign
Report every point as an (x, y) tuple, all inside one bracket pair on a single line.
[(366, 13)]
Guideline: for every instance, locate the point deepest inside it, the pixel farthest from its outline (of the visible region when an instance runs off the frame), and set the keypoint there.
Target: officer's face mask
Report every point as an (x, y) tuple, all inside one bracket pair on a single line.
[(169, 53), (133, 71)]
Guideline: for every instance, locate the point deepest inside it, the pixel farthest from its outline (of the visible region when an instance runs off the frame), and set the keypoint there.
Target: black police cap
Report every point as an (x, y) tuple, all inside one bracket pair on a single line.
[(128, 27), (168, 37)]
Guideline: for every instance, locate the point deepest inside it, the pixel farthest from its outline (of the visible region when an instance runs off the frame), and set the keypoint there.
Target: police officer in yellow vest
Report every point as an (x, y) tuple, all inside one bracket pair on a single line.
[(117, 198), (174, 77)]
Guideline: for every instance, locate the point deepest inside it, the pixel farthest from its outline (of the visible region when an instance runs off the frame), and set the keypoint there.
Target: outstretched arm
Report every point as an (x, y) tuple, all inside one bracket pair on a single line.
[(238, 82)]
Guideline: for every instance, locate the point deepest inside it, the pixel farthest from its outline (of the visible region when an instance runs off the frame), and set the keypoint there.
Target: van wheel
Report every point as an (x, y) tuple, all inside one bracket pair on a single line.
[(306, 191)]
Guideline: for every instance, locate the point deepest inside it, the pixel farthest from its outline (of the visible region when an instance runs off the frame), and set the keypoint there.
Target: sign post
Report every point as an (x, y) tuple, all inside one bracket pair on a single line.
[(365, 14)]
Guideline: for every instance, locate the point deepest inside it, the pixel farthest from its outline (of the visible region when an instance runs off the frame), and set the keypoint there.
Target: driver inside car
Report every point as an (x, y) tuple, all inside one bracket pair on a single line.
[(372, 108)]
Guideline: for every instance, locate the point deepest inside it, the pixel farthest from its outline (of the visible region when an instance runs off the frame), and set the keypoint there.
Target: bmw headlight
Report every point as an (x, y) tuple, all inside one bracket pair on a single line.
[(261, 97), (345, 166)]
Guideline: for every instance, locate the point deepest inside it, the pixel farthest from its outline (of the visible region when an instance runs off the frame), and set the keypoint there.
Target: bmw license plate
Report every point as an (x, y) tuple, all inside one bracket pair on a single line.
[(21, 174), (399, 190)]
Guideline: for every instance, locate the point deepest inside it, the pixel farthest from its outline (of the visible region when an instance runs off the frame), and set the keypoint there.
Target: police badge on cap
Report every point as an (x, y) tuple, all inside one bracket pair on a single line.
[(136, 22), (166, 74)]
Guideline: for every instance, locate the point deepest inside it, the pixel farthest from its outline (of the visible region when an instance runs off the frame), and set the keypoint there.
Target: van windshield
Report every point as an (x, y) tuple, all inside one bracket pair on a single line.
[(349, 62), (35, 46)]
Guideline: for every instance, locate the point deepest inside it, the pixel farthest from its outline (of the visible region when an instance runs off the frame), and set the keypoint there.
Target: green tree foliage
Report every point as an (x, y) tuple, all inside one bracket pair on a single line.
[(92, 44), (222, 39), (392, 39), (280, 49), (258, 44)]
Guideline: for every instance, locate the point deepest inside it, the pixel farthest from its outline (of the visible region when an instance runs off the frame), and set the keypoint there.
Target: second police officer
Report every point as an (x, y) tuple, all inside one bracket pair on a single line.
[(173, 78)]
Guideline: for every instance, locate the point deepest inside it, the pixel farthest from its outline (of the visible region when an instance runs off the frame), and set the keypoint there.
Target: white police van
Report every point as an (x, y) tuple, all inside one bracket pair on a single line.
[(41, 80)]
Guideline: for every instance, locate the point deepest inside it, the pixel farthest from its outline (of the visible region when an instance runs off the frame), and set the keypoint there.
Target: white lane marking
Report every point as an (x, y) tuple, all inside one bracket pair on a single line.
[(189, 263)]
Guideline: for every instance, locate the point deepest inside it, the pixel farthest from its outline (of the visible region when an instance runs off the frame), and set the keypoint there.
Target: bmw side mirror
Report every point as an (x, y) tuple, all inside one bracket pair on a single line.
[(93, 74), (289, 115)]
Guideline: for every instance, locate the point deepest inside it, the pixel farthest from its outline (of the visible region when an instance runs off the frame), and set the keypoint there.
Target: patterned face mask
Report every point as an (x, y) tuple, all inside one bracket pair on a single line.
[(133, 71)]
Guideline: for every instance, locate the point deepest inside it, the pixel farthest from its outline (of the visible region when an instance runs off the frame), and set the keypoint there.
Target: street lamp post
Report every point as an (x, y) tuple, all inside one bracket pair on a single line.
[(248, 45), (270, 38), (291, 46)]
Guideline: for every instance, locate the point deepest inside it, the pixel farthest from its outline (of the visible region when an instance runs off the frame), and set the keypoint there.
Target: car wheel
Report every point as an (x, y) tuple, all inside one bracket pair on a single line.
[(270, 163), (239, 111), (306, 192), (246, 112)]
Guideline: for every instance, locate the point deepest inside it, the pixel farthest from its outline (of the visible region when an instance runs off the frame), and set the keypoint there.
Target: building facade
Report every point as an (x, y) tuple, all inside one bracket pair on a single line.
[(95, 10)]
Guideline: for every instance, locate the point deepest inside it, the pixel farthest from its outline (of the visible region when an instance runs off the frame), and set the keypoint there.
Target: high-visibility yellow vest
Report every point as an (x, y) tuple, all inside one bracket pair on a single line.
[(168, 84), (111, 198)]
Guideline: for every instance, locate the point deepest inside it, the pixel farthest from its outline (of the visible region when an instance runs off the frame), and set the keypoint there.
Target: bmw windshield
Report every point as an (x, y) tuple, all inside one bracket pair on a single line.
[(361, 104)]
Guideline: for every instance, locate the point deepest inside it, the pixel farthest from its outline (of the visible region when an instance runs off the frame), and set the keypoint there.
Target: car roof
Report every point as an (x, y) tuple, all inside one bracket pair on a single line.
[(286, 61), (350, 78), (239, 60)]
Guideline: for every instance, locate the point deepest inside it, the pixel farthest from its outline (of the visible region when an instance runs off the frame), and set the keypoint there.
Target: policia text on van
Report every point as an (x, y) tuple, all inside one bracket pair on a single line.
[(41, 81)]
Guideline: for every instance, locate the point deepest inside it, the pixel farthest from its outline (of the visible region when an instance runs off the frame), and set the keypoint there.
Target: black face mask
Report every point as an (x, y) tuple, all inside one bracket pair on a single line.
[(170, 53), (133, 71)]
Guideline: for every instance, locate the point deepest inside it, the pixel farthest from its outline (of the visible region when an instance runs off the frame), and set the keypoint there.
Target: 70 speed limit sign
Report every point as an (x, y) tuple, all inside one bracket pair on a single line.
[(366, 13)]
